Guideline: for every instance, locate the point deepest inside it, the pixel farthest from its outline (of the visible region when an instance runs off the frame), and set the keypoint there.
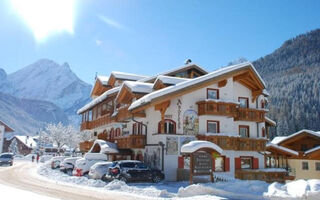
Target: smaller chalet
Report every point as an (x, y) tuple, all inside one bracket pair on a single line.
[(298, 152), (20, 144)]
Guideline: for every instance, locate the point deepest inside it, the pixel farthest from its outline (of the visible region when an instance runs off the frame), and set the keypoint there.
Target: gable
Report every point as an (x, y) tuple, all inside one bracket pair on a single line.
[(99, 88), (296, 141)]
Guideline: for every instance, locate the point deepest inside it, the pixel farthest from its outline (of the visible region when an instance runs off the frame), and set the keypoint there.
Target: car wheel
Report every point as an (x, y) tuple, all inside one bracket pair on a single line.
[(124, 179), (156, 179)]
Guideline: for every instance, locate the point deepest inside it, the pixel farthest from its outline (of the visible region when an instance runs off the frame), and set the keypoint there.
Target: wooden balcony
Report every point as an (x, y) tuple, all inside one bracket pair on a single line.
[(131, 142), (217, 108), (250, 114), (267, 176), (85, 146), (106, 119), (235, 143)]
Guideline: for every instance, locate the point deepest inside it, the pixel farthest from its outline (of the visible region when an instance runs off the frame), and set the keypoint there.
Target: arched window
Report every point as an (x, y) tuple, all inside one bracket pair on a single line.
[(262, 103), (118, 132), (169, 126), (137, 129)]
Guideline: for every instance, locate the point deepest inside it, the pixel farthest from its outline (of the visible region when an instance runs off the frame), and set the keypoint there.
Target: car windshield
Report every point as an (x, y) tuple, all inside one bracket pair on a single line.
[(142, 165), (6, 156)]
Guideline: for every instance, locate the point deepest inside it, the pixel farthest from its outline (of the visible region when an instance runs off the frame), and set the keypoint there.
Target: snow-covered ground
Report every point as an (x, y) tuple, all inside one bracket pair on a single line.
[(7, 192), (233, 189)]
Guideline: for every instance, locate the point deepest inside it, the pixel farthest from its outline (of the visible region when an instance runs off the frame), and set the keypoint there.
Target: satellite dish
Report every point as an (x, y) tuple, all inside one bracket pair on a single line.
[(188, 61)]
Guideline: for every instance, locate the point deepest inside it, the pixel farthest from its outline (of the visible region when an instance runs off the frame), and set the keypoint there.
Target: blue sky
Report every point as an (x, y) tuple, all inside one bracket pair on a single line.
[(146, 37)]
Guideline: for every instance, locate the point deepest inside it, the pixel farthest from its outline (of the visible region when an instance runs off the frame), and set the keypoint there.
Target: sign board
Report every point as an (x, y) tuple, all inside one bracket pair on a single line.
[(202, 163)]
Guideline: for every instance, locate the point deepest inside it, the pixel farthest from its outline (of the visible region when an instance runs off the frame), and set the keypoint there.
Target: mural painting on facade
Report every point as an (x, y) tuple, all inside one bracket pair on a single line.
[(152, 157), (172, 145), (190, 122)]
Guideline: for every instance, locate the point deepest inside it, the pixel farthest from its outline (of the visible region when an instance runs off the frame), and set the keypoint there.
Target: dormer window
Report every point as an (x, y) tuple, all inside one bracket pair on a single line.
[(244, 102), (212, 93)]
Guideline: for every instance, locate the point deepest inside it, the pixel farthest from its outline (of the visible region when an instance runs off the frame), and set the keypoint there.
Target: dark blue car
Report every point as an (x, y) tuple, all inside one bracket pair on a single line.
[(6, 159)]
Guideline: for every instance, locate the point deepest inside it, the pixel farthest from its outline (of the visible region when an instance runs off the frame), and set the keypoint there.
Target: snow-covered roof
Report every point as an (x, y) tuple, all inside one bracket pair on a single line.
[(312, 150), (199, 144), (127, 76), (278, 139), (300, 132), (168, 90), (103, 79), (98, 100), (265, 92), (27, 140), (170, 80), (282, 148), (270, 121), (139, 87), (7, 127), (105, 146), (174, 70)]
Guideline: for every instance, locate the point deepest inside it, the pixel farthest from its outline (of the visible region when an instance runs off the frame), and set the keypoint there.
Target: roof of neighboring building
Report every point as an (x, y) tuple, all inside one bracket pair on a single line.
[(103, 79), (180, 86), (139, 87), (27, 140), (281, 148), (170, 80), (300, 132), (312, 150), (7, 128), (278, 139)]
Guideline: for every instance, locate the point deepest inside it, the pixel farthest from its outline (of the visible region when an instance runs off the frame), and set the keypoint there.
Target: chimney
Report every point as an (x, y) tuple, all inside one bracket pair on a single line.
[(188, 61)]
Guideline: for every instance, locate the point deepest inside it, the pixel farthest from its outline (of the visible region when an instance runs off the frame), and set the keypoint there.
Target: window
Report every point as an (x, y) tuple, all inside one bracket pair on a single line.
[(244, 102), (317, 166), (169, 126), (263, 131), (137, 129), (95, 134), (305, 166), (244, 131), (212, 93), (213, 126), (219, 164), (118, 132), (112, 134), (262, 104), (304, 147), (246, 162)]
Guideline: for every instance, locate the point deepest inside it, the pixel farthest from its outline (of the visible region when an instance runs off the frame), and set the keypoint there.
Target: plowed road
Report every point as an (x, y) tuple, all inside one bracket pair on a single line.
[(19, 176)]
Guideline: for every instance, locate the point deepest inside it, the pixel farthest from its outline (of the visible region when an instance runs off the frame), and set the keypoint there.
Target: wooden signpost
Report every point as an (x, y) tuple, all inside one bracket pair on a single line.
[(201, 163)]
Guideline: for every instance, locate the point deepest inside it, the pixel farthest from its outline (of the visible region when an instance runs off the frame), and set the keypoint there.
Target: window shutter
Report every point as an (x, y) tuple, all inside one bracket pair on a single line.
[(227, 164), (255, 163), (180, 162), (237, 163)]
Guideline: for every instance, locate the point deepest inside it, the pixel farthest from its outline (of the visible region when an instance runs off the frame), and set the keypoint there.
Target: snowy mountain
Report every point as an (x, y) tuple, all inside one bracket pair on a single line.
[(49, 81), (52, 93), (28, 116)]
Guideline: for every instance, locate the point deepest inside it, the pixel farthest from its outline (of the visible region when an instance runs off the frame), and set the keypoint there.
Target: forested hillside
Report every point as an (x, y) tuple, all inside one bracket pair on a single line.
[(292, 74)]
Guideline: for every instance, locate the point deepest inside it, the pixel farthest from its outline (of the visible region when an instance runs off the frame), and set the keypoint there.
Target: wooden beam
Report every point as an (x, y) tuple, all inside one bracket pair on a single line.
[(241, 76), (222, 83), (162, 107)]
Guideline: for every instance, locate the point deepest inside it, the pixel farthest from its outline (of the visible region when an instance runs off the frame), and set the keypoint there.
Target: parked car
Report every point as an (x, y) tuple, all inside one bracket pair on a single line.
[(55, 161), (67, 165), (83, 165), (99, 169), (6, 159), (133, 170)]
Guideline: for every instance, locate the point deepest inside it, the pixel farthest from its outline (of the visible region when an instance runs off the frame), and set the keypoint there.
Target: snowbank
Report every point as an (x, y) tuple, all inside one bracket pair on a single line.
[(296, 189)]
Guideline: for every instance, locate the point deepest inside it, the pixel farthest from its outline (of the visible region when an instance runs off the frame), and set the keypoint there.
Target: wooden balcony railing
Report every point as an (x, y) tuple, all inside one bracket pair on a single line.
[(235, 143), (217, 108), (250, 114), (231, 110), (106, 119), (267, 176), (131, 141)]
